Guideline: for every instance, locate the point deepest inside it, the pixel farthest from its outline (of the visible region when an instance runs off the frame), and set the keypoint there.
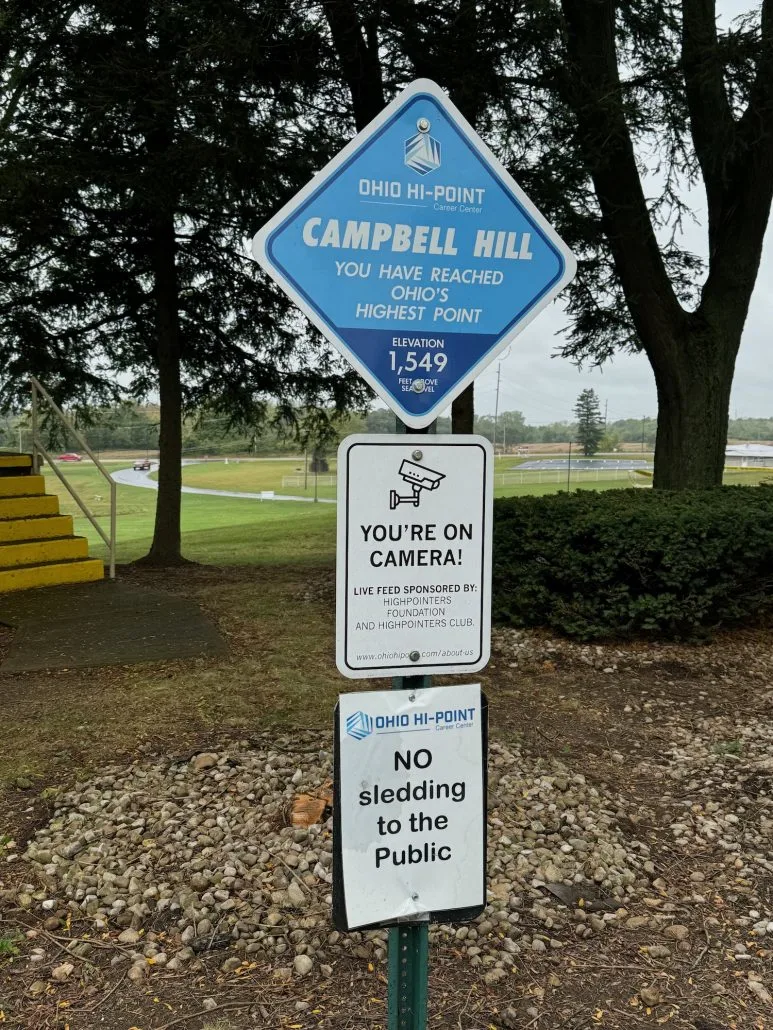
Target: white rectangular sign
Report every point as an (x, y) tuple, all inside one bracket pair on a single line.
[(409, 811), (414, 555)]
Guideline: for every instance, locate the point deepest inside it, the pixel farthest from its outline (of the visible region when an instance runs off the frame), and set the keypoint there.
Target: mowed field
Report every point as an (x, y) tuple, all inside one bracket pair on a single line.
[(234, 531), (287, 477), (216, 530)]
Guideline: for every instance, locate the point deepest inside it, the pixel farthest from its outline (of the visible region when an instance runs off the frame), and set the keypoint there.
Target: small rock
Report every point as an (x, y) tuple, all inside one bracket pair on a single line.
[(760, 991), (658, 951), (295, 895), (493, 975), (138, 971), (62, 973), (209, 1004), (129, 936), (634, 922), (650, 996), (206, 760), (302, 965)]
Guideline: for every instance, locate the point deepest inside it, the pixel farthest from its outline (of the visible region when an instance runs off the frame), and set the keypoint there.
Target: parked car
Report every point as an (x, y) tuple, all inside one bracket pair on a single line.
[(69, 456), (141, 465)]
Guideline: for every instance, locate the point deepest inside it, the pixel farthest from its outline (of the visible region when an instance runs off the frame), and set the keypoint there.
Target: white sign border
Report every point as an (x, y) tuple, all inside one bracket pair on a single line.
[(420, 915), (342, 557), (260, 251)]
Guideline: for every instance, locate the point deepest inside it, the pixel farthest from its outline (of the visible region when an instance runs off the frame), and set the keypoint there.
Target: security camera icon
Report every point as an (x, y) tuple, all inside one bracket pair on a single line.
[(419, 477)]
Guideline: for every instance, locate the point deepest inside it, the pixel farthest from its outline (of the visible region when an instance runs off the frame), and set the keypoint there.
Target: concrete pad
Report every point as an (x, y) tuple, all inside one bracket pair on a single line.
[(107, 623)]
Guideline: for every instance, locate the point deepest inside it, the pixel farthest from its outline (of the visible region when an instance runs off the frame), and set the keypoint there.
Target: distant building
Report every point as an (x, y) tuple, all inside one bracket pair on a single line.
[(749, 455)]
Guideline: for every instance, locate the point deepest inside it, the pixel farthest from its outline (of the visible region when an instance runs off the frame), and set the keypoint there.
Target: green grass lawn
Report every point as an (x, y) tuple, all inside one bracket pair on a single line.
[(216, 530), (281, 476), (232, 531)]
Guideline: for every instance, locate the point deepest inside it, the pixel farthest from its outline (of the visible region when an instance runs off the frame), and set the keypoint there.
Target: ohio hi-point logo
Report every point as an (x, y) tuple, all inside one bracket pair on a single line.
[(361, 725), (422, 151)]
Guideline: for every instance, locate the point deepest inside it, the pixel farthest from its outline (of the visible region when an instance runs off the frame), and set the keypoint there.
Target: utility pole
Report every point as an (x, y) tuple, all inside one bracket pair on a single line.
[(606, 406), (496, 403), (569, 470), (496, 407)]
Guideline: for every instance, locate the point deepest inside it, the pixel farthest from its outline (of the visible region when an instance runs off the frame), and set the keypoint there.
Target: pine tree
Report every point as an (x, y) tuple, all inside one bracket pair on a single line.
[(158, 137), (590, 424)]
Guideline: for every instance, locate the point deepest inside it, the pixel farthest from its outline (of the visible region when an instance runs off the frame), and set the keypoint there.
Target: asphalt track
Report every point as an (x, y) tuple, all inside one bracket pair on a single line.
[(133, 477)]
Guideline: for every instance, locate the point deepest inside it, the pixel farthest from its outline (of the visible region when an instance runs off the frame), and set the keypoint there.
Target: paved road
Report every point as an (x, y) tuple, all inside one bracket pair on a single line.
[(133, 477)]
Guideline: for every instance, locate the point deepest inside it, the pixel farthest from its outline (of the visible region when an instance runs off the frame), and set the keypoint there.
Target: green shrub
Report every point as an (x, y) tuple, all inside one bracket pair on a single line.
[(625, 562)]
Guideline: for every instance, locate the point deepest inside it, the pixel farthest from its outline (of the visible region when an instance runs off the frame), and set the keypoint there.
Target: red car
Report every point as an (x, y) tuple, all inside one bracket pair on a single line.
[(69, 456)]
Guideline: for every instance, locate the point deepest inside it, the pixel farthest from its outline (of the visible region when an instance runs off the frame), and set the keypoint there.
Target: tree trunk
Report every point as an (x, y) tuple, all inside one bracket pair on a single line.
[(356, 44), (692, 353), (693, 381), (463, 411), (165, 549)]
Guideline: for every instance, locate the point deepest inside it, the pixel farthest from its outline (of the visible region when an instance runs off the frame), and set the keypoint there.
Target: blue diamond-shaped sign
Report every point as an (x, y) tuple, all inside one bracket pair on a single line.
[(416, 254)]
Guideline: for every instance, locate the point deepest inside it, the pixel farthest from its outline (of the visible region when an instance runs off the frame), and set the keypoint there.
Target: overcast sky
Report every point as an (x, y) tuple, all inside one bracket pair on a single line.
[(545, 388)]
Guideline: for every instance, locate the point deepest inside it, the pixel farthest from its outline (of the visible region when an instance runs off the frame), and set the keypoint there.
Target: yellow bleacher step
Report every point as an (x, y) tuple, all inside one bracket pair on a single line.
[(16, 486), (15, 461), (42, 527), (38, 552), (28, 507), (26, 577)]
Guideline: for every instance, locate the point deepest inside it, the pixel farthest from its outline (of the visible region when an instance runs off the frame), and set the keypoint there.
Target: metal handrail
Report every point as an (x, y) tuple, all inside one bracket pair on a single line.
[(39, 449)]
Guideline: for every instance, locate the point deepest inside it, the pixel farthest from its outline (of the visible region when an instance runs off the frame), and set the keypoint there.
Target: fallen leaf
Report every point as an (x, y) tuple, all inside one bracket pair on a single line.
[(309, 809)]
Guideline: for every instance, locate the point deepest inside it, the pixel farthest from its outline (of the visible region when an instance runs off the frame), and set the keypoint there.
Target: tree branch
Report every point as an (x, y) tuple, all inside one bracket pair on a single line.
[(738, 172), (595, 94), (359, 60), (712, 125), (26, 76), (757, 119)]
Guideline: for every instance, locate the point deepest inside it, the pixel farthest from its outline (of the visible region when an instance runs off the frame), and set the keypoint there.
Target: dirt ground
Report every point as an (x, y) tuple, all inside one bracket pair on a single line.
[(624, 716)]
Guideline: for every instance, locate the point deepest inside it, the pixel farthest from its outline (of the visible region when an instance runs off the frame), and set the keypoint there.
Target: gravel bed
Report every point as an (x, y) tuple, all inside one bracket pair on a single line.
[(187, 857)]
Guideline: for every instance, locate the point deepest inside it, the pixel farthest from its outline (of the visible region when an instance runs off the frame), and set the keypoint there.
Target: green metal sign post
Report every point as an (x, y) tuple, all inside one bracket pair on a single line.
[(408, 962), (408, 956)]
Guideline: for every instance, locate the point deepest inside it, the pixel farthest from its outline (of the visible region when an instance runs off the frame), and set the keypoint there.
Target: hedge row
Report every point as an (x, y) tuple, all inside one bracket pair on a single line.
[(625, 562)]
